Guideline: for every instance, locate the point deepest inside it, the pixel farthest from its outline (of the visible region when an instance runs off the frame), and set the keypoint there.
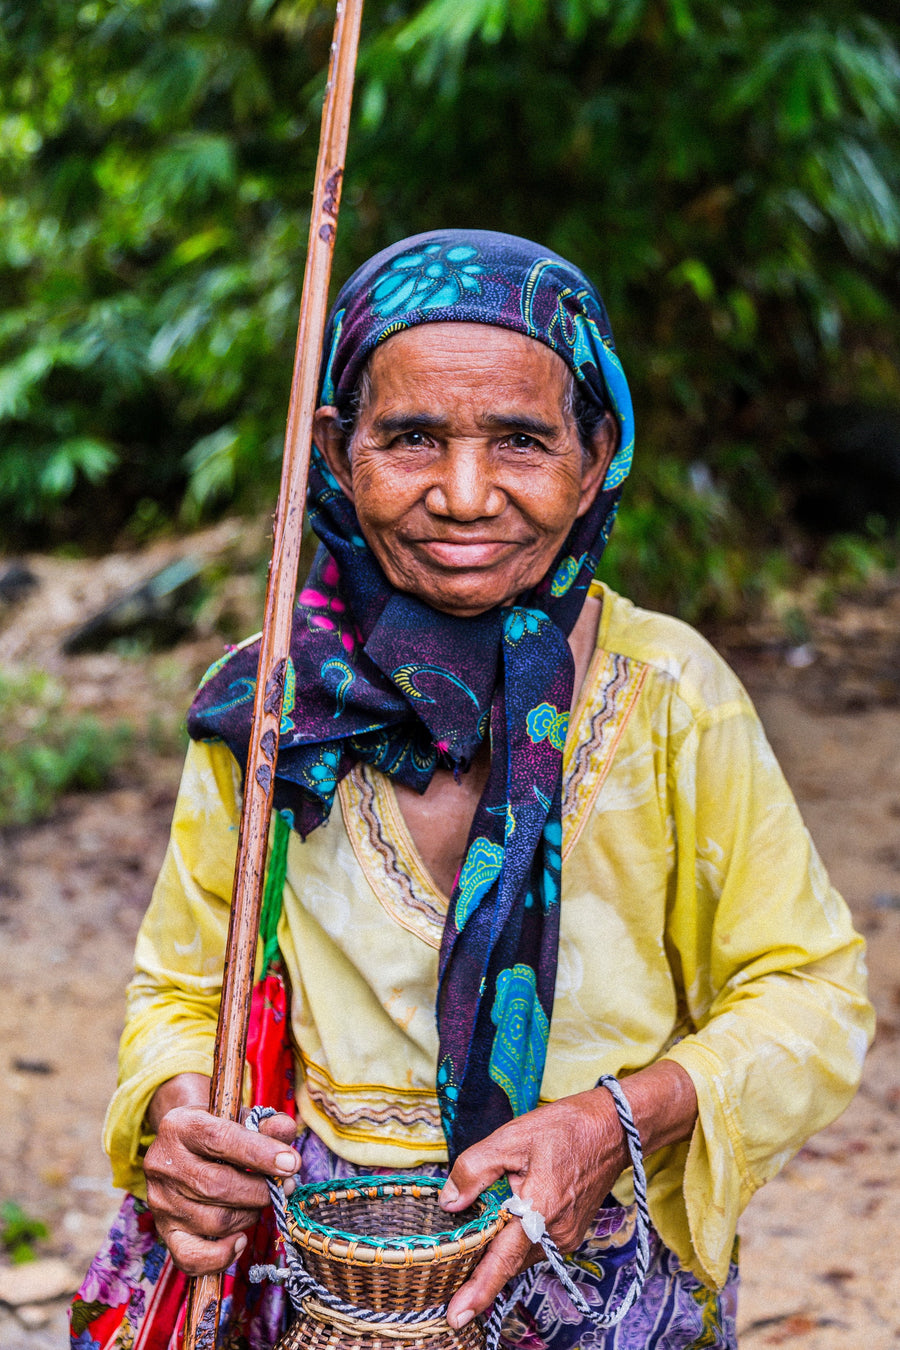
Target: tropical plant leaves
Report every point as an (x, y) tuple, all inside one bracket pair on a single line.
[(730, 174)]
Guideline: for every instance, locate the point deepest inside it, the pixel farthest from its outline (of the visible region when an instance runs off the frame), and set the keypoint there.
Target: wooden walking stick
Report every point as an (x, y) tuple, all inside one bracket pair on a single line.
[(259, 780)]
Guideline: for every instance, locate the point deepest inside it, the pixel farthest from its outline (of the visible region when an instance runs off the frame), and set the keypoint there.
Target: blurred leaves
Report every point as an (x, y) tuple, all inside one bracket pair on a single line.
[(45, 750), (729, 174), (19, 1232)]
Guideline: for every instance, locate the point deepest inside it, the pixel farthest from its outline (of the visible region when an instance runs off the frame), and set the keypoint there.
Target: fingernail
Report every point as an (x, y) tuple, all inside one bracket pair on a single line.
[(240, 1243), (464, 1318), (449, 1195), (289, 1187), (286, 1162)]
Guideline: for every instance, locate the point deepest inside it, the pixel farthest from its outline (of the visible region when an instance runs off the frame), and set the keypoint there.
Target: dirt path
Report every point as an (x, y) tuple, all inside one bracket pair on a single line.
[(818, 1243)]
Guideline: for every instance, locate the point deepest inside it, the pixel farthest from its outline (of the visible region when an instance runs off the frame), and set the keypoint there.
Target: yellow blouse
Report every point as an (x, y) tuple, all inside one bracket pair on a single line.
[(697, 924)]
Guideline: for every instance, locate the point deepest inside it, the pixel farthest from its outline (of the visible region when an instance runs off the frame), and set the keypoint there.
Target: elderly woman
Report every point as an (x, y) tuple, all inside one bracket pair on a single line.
[(537, 836)]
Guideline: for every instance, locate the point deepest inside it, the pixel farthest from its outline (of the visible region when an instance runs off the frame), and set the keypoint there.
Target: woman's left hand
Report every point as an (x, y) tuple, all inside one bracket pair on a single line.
[(564, 1158)]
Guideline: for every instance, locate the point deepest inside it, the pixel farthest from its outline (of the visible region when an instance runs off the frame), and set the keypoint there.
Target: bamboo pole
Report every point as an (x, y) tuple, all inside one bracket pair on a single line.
[(231, 1034)]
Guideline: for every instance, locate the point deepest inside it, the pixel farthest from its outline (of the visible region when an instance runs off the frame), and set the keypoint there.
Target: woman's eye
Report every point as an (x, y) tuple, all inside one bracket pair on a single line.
[(414, 439), (521, 441)]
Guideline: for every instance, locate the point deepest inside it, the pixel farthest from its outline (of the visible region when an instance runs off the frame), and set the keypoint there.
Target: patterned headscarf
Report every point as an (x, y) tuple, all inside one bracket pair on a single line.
[(379, 676)]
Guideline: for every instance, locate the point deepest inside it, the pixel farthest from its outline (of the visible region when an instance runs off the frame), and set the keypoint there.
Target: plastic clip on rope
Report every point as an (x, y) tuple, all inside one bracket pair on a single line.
[(301, 1286), (533, 1225)]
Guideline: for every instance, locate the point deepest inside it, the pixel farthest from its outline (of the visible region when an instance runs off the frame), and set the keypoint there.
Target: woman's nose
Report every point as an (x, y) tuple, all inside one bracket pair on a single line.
[(463, 487)]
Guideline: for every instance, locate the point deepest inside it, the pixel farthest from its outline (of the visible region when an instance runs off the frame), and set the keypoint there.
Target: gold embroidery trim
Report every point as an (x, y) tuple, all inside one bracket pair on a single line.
[(388, 857), (617, 682), (348, 1108)]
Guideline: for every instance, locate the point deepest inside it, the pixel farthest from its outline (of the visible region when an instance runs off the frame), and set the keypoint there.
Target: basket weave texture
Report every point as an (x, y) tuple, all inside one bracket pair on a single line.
[(309, 1333), (383, 1244)]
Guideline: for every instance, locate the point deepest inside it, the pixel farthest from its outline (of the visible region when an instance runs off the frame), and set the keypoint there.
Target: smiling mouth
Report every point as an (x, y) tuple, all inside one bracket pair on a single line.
[(456, 553)]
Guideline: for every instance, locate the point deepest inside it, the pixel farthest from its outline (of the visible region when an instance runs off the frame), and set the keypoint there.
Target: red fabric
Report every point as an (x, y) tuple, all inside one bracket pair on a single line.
[(269, 1054), (132, 1297)]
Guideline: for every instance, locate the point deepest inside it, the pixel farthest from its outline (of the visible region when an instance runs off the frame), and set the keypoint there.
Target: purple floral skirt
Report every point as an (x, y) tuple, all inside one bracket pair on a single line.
[(131, 1295)]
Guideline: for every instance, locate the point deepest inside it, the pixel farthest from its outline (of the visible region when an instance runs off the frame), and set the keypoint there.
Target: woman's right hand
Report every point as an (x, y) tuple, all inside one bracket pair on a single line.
[(205, 1175)]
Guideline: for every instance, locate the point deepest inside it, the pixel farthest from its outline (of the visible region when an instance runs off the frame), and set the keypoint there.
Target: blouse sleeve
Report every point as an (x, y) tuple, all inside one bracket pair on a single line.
[(773, 975), (173, 998)]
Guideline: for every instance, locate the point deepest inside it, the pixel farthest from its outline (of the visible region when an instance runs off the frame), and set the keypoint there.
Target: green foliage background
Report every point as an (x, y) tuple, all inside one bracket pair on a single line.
[(46, 750), (729, 173)]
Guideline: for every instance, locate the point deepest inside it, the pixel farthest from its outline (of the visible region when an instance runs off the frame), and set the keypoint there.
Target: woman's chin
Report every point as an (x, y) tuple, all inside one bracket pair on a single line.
[(464, 603), (462, 592)]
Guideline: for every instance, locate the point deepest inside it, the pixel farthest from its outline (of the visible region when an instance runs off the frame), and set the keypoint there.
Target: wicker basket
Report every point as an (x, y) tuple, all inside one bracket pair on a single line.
[(382, 1244)]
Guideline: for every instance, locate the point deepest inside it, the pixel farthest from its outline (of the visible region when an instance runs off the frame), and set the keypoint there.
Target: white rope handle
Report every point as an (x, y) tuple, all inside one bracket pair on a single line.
[(535, 1229)]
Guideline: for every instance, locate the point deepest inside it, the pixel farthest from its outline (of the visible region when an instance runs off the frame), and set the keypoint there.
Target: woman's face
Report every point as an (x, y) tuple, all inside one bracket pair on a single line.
[(466, 469)]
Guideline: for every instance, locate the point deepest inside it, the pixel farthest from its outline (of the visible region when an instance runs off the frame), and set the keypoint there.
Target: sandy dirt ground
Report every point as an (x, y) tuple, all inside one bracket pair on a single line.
[(818, 1244)]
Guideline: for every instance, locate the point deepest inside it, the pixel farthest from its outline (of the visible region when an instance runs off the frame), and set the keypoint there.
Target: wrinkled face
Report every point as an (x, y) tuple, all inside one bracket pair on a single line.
[(465, 467)]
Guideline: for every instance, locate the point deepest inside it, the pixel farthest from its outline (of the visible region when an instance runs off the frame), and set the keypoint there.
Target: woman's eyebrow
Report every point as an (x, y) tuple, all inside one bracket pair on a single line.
[(391, 423), (518, 425)]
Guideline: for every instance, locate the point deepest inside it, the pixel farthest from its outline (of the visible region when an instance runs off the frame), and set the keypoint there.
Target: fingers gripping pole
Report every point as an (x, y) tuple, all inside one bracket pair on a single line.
[(259, 779)]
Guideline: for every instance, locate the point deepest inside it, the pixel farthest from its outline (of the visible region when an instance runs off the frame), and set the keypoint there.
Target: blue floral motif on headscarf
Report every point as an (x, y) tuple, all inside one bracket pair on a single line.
[(380, 677), (431, 278)]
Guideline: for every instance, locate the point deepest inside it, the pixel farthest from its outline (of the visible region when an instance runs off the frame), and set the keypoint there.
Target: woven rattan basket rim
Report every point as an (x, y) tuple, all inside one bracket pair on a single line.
[(414, 1249)]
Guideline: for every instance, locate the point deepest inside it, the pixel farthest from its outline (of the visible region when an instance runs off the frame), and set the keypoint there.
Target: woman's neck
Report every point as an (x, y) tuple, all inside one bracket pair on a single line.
[(583, 641)]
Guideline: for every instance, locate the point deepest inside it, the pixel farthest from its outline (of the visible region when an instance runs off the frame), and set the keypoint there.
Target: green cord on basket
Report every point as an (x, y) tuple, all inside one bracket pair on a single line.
[(274, 890), (382, 1187)]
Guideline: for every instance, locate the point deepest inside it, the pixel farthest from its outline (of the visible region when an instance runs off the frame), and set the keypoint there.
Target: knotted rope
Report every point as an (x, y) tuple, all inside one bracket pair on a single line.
[(307, 1295)]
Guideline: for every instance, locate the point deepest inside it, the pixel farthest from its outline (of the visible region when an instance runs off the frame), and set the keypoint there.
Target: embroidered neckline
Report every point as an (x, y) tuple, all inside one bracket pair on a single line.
[(380, 837), (387, 855), (614, 688)]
